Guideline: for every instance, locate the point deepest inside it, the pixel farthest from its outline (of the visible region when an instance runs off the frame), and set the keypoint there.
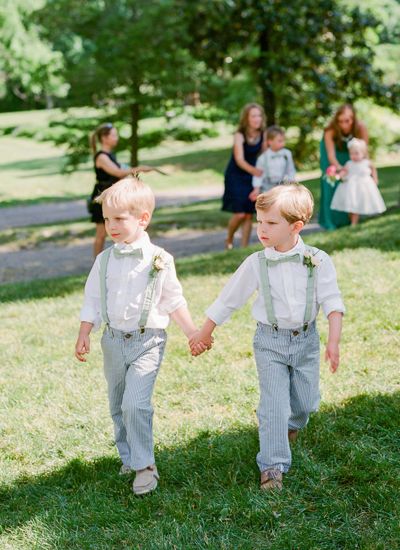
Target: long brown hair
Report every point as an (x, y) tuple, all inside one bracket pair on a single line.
[(101, 131), (334, 125), (244, 118)]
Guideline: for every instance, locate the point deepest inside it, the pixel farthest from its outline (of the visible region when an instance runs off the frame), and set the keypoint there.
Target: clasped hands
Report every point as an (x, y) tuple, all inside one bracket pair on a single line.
[(200, 342)]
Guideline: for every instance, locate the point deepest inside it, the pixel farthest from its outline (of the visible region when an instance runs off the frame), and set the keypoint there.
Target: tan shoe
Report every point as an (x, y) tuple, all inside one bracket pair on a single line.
[(146, 480), (270, 480), (292, 435)]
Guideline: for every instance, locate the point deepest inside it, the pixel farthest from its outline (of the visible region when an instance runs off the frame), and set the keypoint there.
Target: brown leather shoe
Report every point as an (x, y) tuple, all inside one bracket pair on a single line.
[(271, 480), (292, 435)]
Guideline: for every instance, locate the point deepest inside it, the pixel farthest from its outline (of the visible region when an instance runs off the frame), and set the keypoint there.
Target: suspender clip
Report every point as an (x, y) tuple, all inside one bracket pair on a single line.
[(275, 326), (305, 326), (141, 330)]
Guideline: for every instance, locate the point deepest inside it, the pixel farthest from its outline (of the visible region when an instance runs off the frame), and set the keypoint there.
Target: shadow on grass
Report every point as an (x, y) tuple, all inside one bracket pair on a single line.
[(36, 290), (342, 489)]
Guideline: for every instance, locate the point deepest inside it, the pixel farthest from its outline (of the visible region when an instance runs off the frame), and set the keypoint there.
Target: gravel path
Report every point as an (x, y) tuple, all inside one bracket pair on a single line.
[(22, 216), (52, 260), (76, 259)]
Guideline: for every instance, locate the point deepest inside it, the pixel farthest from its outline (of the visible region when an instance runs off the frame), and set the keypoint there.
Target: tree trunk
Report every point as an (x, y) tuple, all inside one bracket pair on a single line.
[(134, 140), (265, 76)]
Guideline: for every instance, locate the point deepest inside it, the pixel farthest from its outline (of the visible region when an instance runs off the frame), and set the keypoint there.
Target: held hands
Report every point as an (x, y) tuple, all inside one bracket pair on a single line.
[(200, 342), (332, 355)]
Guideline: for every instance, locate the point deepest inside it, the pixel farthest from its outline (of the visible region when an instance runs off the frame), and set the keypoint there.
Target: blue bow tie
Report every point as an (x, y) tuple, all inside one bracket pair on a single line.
[(277, 155), (122, 252), (283, 259)]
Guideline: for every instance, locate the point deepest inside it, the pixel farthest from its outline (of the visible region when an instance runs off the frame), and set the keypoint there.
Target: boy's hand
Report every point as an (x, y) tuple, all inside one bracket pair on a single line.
[(254, 194), (200, 342), (82, 347), (332, 355)]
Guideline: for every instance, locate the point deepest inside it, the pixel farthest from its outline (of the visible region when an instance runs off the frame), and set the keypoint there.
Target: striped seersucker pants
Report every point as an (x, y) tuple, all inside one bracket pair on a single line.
[(131, 364), (288, 373)]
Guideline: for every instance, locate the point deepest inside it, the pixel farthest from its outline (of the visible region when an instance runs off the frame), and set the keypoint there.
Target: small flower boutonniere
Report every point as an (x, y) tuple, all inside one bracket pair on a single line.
[(310, 261), (158, 263)]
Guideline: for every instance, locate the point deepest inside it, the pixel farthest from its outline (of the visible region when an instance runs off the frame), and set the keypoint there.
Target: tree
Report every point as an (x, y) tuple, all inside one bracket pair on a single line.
[(29, 69), (304, 56), (124, 54)]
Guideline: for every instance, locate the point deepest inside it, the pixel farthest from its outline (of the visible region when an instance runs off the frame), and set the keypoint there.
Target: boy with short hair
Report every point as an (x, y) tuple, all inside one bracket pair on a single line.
[(276, 163), (134, 289), (293, 280)]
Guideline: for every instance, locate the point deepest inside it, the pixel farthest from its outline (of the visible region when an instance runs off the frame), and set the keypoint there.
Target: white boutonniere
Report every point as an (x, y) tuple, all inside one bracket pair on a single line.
[(310, 261), (158, 263)]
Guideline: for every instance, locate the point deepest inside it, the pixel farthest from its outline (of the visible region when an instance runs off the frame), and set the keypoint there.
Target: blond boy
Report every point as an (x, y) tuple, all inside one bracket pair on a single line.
[(292, 281), (134, 289)]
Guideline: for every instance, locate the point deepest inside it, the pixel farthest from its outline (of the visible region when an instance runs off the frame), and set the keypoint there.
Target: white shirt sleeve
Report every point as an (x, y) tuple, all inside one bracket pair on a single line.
[(171, 294), (91, 309), (328, 293), (257, 181), (290, 172), (235, 293)]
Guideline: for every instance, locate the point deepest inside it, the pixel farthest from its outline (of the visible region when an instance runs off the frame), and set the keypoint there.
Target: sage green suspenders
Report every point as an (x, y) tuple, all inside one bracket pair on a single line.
[(148, 293), (266, 288)]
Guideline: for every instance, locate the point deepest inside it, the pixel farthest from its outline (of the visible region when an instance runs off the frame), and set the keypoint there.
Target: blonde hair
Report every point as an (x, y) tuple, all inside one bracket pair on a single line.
[(130, 193), (244, 118), (100, 132), (359, 144), (294, 201)]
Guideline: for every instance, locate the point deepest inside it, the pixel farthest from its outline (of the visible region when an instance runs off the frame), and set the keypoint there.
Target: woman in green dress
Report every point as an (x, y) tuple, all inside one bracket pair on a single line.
[(333, 151)]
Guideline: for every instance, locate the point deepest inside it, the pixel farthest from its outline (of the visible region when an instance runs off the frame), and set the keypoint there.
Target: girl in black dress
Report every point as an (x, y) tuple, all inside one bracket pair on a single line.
[(248, 142), (108, 171)]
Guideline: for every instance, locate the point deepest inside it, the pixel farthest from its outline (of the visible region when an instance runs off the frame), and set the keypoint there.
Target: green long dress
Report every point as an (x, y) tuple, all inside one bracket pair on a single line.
[(327, 218)]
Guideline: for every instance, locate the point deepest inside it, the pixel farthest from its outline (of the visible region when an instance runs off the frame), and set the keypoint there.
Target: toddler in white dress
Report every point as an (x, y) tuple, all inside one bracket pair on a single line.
[(358, 192)]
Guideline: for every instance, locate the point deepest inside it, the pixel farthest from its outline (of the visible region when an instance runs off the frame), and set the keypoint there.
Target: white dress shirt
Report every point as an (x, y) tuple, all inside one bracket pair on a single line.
[(276, 166), (288, 282), (126, 281)]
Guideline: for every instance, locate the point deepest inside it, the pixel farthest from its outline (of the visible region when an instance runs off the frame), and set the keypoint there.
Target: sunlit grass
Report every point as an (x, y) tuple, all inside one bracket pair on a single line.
[(60, 487)]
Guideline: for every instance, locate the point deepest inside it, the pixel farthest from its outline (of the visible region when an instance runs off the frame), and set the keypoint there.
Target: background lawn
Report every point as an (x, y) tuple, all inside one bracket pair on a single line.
[(59, 470)]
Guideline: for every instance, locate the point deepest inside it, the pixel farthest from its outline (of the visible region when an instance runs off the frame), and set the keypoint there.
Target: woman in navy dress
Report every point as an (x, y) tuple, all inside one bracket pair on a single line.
[(108, 171), (248, 143)]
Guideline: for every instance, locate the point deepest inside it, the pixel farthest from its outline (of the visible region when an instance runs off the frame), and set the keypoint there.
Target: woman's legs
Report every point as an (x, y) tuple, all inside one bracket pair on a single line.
[(246, 229), (99, 239), (233, 225), (354, 218)]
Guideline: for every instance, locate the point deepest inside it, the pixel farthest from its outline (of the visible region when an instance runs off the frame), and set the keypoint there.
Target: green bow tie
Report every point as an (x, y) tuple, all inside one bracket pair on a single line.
[(283, 259), (136, 252)]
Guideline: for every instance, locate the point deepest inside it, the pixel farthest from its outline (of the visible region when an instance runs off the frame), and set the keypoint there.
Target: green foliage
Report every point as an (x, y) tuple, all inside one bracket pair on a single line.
[(29, 69), (302, 57)]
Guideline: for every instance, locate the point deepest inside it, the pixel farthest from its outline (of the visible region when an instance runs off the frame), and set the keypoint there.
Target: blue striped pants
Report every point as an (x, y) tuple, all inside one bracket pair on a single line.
[(131, 364), (288, 374)]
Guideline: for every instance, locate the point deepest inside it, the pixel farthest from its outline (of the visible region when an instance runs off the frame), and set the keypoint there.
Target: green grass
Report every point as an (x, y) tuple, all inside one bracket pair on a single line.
[(60, 486)]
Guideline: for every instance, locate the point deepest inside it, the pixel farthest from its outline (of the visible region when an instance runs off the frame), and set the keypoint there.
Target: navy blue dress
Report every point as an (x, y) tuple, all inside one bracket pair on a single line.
[(103, 181), (238, 182)]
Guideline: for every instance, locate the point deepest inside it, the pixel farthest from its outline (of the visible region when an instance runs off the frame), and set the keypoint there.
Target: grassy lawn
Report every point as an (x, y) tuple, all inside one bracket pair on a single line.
[(59, 470)]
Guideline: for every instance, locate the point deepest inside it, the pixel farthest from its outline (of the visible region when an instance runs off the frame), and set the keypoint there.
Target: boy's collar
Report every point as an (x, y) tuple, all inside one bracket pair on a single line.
[(298, 248), (142, 242)]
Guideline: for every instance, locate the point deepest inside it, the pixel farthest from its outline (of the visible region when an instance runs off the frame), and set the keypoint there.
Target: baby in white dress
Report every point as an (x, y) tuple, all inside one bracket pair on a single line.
[(358, 192)]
